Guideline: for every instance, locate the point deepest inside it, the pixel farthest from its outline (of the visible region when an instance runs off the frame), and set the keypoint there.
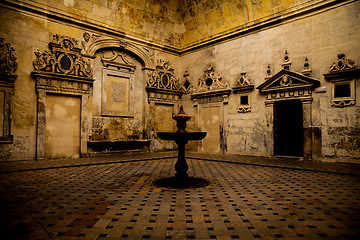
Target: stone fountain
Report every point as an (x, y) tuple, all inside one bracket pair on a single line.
[(181, 138)]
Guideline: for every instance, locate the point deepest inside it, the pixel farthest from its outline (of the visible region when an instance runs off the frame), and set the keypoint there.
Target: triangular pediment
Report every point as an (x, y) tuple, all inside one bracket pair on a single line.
[(287, 80)]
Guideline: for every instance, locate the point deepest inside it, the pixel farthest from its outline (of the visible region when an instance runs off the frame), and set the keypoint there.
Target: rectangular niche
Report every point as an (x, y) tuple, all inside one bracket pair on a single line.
[(343, 93), (243, 103), (117, 94)]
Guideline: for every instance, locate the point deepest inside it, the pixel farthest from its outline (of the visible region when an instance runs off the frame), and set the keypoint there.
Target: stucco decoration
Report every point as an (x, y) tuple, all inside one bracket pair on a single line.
[(212, 87), (63, 58), (91, 43), (162, 85), (342, 76), (8, 66)]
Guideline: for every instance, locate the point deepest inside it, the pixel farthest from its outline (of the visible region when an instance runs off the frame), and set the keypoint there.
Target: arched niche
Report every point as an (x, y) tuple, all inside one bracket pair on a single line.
[(93, 43)]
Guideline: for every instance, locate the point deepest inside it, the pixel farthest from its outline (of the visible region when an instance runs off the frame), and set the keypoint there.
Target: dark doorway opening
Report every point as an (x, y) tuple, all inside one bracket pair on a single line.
[(288, 128)]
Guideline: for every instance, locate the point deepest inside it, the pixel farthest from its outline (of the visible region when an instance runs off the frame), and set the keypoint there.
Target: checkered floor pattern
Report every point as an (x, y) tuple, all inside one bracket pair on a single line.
[(120, 201)]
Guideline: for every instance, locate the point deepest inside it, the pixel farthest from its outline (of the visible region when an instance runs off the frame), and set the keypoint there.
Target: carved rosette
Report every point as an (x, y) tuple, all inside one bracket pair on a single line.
[(8, 58), (63, 58)]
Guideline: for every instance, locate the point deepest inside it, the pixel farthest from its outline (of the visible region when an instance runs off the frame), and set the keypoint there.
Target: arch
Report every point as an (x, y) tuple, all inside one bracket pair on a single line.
[(93, 45)]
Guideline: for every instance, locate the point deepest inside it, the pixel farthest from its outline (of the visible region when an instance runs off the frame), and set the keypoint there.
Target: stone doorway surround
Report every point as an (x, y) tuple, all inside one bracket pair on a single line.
[(64, 71), (212, 93), (289, 85)]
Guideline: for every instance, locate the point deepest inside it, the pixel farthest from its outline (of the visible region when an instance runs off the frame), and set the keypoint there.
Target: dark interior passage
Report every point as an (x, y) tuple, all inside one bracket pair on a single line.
[(288, 128)]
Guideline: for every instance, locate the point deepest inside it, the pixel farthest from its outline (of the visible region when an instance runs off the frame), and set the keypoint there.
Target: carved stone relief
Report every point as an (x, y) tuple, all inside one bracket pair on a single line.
[(91, 43), (162, 85), (8, 66), (211, 85), (342, 76)]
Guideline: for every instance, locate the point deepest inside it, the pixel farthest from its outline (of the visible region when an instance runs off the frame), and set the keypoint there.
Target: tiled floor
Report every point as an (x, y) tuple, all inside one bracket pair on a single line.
[(114, 198)]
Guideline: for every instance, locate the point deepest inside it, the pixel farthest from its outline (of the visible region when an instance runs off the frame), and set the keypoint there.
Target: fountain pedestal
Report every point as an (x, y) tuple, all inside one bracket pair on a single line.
[(181, 138)]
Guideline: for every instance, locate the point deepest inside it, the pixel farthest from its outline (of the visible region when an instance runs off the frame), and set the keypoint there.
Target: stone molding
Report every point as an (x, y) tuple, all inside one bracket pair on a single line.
[(288, 85)]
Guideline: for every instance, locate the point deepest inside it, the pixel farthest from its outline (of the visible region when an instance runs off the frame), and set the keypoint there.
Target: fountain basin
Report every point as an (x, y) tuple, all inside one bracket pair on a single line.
[(184, 136)]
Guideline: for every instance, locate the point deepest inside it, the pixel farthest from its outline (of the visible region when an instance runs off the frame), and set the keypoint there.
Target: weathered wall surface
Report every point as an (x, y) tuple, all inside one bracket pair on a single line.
[(27, 33), (320, 38), (155, 20)]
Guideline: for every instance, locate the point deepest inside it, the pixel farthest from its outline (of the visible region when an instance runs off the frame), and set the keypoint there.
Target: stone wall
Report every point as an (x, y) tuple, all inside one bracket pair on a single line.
[(320, 38), (146, 34)]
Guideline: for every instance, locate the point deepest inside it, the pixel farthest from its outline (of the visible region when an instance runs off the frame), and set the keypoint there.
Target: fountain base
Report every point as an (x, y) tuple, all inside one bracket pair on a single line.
[(176, 182)]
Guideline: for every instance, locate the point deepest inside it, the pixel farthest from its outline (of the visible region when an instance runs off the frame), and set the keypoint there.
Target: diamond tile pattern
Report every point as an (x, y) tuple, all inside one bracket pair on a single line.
[(117, 200)]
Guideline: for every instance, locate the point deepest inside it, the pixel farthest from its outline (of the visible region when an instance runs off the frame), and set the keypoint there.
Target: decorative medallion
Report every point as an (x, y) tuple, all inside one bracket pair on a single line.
[(163, 77), (186, 85)]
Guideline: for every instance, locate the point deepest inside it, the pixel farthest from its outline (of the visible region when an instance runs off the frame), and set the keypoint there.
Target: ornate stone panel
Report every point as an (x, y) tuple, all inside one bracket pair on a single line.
[(62, 69), (162, 85), (8, 66), (342, 75), (210, 85), (117, 83)]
